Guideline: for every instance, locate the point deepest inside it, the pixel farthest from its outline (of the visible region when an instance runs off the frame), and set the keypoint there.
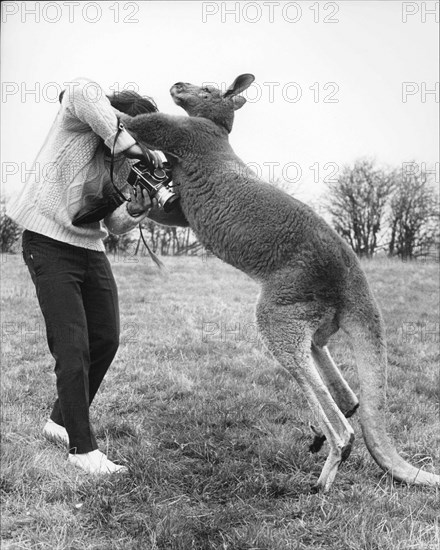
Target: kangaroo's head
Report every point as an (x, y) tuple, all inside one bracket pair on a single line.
[(210, 102)]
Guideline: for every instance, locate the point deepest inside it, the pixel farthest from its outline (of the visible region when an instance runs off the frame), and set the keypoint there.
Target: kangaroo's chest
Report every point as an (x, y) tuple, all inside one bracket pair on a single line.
[(237, 222)]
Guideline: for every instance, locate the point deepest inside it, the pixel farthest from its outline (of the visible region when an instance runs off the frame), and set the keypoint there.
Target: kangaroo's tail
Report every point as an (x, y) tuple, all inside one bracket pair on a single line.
[(363, 323)]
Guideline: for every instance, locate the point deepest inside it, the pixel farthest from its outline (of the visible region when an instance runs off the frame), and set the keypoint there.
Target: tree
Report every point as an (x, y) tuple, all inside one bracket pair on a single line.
[(167, 240), (413, 217), (9, 230), (357, 204), (119, 243)]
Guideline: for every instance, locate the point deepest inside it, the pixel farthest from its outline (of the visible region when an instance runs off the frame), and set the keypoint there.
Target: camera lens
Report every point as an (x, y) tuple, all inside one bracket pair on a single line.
[(171, 203), (166, 199)]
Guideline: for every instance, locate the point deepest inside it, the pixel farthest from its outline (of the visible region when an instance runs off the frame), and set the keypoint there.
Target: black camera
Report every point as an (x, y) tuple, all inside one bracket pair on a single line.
[(156, 181)]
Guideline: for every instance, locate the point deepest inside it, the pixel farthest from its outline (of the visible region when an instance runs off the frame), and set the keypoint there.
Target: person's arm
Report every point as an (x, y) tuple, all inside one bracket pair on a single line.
[(85, 104), (128, 215)]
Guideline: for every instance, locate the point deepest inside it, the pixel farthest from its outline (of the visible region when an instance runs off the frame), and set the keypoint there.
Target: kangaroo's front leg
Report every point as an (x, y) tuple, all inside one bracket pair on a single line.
[(159, 131)]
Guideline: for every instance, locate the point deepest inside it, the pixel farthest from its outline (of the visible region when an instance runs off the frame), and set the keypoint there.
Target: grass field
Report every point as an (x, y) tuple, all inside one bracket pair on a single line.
[(213, 432)]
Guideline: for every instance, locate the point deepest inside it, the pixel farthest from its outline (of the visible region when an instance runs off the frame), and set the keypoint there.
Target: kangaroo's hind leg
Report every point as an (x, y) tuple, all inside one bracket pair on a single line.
[(287, 330), (341, 392)]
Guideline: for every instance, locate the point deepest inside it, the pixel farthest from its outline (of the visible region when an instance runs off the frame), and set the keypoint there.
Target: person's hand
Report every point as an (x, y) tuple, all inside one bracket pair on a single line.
[(134, 152), (140, 201), (137, 152)]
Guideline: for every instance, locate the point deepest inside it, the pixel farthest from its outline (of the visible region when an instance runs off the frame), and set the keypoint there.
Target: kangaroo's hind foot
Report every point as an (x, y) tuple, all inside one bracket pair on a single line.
[(341, 392)]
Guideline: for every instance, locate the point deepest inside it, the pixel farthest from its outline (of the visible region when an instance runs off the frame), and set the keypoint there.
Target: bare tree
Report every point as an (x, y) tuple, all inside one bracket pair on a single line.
[(118, 243), (413, 217), (166, 240), (357, 204)]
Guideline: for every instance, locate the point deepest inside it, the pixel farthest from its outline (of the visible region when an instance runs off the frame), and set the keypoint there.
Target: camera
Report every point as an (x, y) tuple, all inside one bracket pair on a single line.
[(156, 181)]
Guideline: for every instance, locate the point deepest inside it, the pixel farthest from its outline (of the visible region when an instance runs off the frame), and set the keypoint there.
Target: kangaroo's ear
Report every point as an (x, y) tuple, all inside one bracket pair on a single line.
[(240, 84), (238, 102)]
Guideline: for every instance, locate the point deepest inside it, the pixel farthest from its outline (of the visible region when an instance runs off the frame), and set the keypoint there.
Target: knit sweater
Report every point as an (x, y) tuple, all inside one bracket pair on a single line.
[(72, 168)]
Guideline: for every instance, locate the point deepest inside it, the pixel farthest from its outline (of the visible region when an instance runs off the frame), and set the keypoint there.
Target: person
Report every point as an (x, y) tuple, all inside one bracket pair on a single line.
[(74, 283)]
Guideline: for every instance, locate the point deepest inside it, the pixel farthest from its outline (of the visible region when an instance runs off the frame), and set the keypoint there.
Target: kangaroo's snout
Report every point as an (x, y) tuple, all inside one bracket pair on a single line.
[(178, 87)]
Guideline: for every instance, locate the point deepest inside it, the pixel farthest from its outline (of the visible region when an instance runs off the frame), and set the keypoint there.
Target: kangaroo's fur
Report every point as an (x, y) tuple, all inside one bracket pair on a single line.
[(311, 281)]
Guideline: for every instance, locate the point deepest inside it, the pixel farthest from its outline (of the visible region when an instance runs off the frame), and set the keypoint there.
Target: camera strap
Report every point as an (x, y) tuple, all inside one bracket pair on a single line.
[(112, 161), (153, 256)]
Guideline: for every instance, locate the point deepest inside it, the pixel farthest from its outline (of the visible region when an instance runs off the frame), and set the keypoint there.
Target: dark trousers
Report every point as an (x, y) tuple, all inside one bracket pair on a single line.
[(79, 301)]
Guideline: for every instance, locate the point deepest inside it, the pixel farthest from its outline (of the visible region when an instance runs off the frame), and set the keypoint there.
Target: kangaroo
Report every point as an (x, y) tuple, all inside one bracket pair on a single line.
[(312, 283)]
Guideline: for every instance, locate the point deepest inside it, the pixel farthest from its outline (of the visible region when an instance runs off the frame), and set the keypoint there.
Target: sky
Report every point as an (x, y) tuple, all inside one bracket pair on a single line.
[(334, 81)]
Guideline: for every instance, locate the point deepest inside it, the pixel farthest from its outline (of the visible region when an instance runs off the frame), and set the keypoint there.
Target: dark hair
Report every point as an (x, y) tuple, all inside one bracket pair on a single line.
[(131, 103), (128, 102)]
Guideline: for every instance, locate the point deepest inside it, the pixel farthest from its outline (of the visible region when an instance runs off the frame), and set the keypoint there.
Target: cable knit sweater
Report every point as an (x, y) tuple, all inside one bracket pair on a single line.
[(71, 168)]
